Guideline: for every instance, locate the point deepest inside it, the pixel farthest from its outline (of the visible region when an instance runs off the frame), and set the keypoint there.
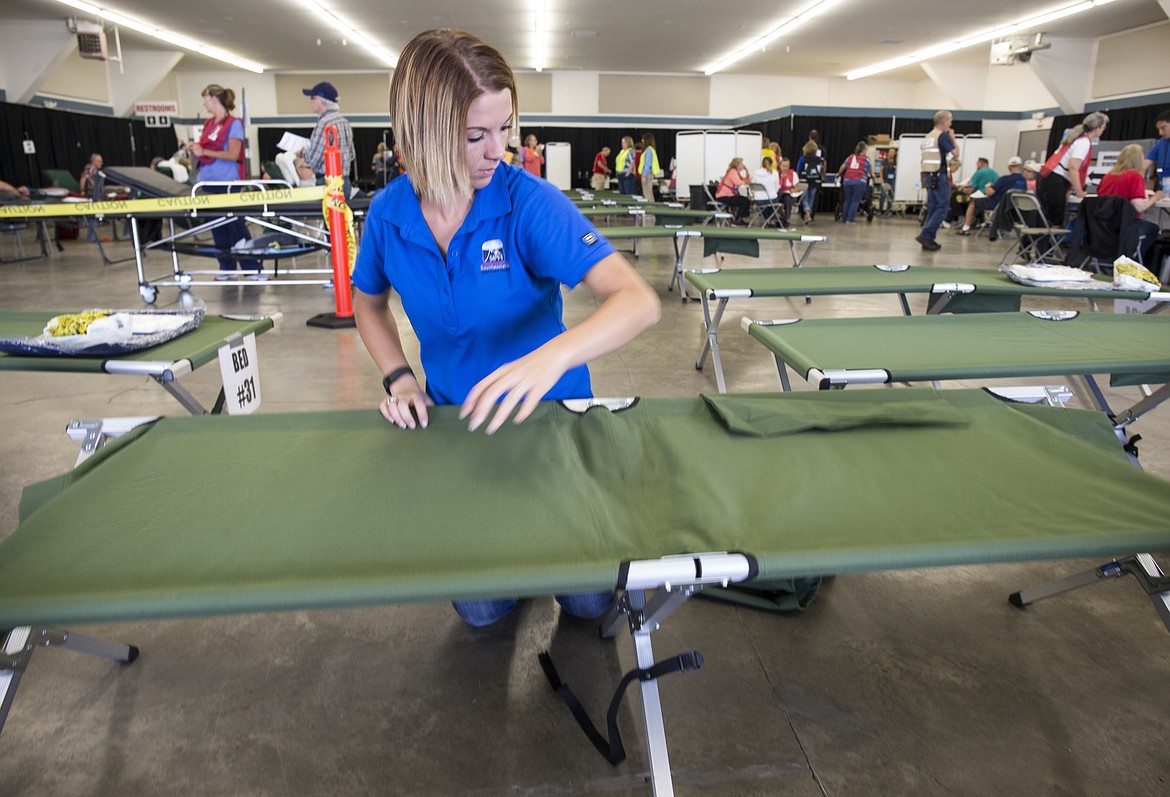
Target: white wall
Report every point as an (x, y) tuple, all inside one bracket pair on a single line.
[(574, 93), (733, 96), (1016, 88)]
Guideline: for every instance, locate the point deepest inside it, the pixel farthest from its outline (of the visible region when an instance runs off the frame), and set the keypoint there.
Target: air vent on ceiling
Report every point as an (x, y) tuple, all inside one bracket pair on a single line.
[(91, 41)]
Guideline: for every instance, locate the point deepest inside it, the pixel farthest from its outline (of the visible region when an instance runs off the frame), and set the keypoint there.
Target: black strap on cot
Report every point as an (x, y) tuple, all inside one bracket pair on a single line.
[(613, 750)]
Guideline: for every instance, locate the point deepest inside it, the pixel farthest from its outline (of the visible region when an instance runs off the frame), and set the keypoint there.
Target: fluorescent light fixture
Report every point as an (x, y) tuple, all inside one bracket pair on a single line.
[(346, 30), (164, 35), (978, 38), (541, 33), (787, 26)]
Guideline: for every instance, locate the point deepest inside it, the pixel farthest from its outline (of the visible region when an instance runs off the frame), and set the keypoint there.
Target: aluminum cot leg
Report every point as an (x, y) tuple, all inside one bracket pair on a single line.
[(1142, 566), (21, 642)]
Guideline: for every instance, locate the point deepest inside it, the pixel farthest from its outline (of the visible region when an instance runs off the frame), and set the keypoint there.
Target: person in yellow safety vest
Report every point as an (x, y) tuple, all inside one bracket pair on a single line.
[(624, 166), (650, 167)]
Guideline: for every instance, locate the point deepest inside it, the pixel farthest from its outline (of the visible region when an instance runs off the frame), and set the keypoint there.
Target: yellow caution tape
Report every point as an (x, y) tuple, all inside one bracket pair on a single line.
[(336, 184), (176, 204)]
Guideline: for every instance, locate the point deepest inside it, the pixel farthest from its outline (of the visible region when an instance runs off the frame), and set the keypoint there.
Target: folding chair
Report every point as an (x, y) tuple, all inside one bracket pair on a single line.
[(1039, 240), (1106, 228), (764, 209), (709, 190)]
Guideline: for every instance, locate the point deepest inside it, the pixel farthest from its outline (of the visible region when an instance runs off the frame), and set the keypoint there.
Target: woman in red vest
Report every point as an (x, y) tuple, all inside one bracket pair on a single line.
[(220, 152), (1068, 167)]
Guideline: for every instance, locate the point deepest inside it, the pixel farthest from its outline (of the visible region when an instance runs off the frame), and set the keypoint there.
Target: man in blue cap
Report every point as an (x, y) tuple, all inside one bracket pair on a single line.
[(323, 101)]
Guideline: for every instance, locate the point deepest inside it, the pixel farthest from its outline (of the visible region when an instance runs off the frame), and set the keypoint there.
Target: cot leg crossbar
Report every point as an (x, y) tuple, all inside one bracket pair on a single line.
[(673, 579), (1141, 566), (20, 643)]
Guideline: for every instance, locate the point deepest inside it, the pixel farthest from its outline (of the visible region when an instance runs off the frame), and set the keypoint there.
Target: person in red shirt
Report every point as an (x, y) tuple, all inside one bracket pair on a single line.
[(600, 169), (854, 176), (789, 187), (1127, 180)]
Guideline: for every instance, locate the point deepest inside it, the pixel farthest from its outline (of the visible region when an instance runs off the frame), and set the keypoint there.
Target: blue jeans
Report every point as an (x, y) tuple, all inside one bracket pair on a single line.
[(808, 201), (938, 200), (478, 613), (853, 191), (227, 235), (626, 184)]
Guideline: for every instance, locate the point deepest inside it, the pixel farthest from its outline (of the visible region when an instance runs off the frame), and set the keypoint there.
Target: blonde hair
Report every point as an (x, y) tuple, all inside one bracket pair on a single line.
[(1130, 158), (226, 97), (440, 74), (735, 163)]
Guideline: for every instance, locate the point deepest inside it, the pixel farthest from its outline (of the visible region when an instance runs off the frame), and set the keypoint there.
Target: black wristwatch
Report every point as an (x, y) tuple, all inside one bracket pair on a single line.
[(394, 376)]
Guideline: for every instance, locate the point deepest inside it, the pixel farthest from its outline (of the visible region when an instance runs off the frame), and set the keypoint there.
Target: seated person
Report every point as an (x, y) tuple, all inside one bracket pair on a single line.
[(789, 182), (959, 197), (1031, 174), (10, 193), (728, 191), (178, 168), (767, 177), (983, 178), (1014, 180), (292, 164), (979, 206), (1127, 180)]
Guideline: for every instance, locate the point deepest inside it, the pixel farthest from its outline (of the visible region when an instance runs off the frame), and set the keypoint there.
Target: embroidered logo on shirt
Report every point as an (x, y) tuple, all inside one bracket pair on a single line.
[(589, 238), (493, 256)]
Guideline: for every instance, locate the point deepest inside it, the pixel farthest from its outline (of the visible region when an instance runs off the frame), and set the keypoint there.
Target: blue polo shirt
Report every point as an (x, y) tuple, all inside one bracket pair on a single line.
[(497, 295), (1009, 182), (1160, 155)]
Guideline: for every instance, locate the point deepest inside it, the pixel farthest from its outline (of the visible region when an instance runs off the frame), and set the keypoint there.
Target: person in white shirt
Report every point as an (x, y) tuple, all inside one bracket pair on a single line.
[(767, 177)]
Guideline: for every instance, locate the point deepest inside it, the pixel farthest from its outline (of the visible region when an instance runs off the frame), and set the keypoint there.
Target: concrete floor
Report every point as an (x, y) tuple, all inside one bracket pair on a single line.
[(921, 682)]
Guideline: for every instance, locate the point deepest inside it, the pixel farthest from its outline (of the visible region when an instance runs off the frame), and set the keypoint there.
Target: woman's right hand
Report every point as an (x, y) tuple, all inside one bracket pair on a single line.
[(406, 408)]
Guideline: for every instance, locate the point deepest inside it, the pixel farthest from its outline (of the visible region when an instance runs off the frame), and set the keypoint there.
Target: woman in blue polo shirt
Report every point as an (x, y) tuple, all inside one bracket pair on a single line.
[(478, 253)]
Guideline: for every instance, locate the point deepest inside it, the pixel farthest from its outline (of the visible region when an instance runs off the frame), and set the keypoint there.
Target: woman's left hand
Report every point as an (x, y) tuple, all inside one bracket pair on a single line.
[(525, 380), (196, 150)]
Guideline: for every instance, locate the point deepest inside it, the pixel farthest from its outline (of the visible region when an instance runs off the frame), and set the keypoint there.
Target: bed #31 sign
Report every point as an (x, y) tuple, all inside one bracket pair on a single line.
[(241, 375)]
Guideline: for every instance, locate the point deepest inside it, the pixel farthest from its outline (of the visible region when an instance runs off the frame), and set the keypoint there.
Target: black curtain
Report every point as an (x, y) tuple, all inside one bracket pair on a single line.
[(588, 141), (65, 140), (838, 136), (1125, 124)]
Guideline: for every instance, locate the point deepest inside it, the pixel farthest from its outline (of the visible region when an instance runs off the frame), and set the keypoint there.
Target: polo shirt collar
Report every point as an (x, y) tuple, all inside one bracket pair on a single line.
[(403, 210)]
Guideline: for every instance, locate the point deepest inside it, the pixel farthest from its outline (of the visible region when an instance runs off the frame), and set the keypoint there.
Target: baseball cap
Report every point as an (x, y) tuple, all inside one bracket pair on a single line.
[(1032, 166), (1015, 160), (323, 90)]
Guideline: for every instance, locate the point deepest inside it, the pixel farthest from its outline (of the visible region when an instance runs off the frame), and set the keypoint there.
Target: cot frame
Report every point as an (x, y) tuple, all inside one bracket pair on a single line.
[(670, 579), (840, 378), (647, 592), (945, 291), (685, 234), (168, 372)]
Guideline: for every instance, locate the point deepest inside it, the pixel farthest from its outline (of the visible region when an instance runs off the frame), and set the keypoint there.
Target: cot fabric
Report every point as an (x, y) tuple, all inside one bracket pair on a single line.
[(199, 346), (361, 512), (871, 279), (986, 345)]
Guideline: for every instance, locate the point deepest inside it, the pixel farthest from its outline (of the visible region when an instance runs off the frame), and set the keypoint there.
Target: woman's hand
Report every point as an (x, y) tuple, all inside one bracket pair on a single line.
[(196, 150), (407, 403), (525, 380)]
